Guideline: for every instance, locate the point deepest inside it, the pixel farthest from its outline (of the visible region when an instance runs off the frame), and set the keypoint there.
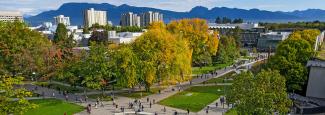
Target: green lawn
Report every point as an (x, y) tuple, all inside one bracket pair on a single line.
[(54, 107), (194, 98), (231, 112), (102, 97), (206, 69), (220, 79), (137, 94)]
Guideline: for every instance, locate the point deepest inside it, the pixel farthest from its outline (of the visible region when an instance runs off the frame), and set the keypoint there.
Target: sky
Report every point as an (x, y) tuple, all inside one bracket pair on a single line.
[(33, 7)]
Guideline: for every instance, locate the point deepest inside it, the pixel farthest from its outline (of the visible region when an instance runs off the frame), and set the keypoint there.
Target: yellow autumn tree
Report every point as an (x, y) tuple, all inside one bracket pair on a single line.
[(162, 57), (202, 41)]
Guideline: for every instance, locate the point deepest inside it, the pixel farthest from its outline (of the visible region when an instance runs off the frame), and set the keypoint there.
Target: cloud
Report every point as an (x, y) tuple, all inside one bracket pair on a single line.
[(37, 6)]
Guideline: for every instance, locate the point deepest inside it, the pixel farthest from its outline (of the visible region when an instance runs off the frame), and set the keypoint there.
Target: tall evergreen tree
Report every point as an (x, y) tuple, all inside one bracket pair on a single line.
[(61, 33)]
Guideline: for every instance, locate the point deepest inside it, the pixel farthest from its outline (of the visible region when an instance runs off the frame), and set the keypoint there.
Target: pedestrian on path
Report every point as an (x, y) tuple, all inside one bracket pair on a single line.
[(142, 108), (86, 97), (147, 99), (188, 111), (150, 104), (89, 108), (164, 109)]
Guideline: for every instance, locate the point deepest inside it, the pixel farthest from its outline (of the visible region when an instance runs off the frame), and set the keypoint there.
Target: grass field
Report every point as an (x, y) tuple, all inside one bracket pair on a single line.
[(206, 69), (194, 98), (231, 112), (54, 107), (220, 79)]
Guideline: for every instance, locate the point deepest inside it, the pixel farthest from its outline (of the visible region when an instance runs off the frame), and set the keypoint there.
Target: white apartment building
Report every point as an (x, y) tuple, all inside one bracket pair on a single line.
[(149, 17), (92, 16), (10, 16), (130, 19), (123, 37), (62, 19)]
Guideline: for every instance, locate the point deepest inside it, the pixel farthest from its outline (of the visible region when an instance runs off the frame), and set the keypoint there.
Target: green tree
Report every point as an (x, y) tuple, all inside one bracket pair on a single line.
[(290, 59), (85, 30), (61, 33), (262, 94), (23, 51), (228, 51), (8, 105), (96, 70), (125, 65), (292, 56)]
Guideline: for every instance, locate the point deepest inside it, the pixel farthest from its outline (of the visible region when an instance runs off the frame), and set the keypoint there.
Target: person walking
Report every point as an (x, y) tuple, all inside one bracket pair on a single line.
[(89, 109), (150, 104), (188, 111), (164, 109)]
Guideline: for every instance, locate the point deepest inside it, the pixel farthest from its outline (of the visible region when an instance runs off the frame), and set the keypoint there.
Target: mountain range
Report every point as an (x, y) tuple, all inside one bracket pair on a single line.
[(75, 12)]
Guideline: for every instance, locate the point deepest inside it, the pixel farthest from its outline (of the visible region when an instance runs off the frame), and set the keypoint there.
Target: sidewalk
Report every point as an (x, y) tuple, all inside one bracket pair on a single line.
[(110, 109)]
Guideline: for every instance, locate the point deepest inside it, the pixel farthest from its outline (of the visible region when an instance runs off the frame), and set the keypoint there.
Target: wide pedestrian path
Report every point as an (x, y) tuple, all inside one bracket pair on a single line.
[(123, 102)]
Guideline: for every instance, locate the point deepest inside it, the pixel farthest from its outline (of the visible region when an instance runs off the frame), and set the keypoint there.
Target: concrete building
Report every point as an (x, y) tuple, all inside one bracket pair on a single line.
[(249, 37), (62, 19), (245, 26), (130, 19), (10, 16), (147, 18), (316, 79), (92, 16), (123, 37), (269, 41)]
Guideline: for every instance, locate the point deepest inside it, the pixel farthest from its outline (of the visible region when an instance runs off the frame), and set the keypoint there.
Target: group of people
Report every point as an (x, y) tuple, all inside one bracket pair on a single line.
[(98, 101)]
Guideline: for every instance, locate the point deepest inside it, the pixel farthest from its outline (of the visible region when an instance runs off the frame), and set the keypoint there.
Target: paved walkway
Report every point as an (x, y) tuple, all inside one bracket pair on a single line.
[(110, 109)]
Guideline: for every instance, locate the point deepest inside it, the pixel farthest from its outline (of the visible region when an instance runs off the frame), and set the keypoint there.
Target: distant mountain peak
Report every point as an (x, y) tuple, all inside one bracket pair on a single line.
[(74, 11), (199, 9)]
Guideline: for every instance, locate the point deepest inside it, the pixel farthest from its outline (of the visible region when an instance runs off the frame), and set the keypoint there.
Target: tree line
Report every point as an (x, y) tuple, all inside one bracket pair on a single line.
[(295, 25), (266, 91), (225, 20), (164, 54)]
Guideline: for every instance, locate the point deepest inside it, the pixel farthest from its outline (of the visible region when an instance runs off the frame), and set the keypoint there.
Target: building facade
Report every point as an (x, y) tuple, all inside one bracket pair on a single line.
[(92, 16), (269, 41), (316, 79), (130, 19), (147, 18), (62, 19), (10, 16), (123, 37)]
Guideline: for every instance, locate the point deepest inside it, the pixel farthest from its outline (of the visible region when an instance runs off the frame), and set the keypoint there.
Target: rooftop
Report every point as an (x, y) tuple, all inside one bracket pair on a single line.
[(10, 13)]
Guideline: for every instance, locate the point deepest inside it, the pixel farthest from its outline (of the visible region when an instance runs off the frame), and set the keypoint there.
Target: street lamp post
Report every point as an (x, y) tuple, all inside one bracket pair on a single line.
[(34, 73)]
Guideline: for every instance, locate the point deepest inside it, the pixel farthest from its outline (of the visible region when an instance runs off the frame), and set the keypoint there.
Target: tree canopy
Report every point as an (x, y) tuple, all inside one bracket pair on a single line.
[(203, 42), (23, 51), (291, 57), (262, 94)]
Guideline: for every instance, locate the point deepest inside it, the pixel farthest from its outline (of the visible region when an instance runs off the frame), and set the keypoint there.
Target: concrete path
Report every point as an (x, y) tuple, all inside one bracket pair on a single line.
[(110, 109)]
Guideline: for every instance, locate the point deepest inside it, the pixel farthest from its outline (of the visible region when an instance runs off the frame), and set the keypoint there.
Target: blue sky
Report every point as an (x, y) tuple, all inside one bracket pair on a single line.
[(33, 7)]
